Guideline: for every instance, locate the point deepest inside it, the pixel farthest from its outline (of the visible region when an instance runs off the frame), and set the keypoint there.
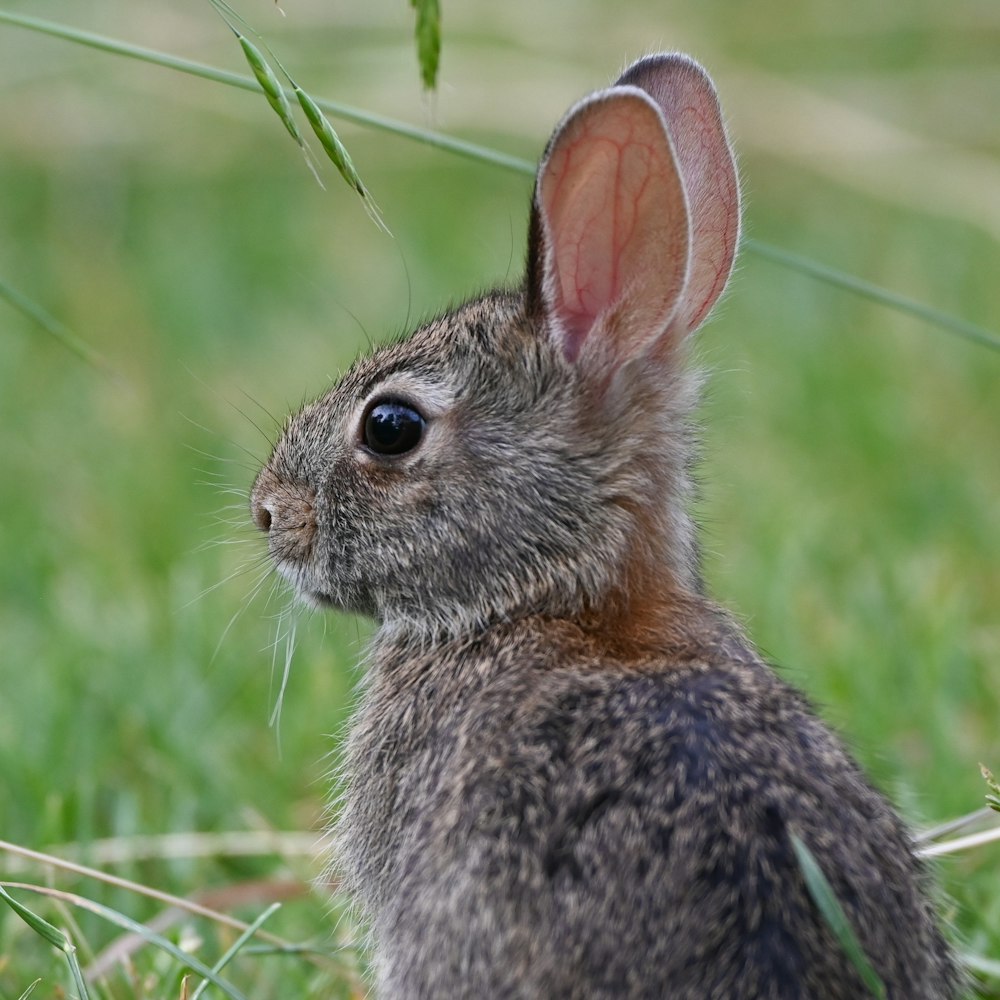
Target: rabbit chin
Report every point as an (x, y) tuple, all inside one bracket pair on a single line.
[(319, 596), (304, 585)]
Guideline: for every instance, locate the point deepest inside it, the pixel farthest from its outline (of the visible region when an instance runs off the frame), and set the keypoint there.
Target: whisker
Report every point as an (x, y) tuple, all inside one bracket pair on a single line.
[(223, 459), (239, 571), (254, 458), (254, 591), (278, 424), (214, 543), (275, 720)]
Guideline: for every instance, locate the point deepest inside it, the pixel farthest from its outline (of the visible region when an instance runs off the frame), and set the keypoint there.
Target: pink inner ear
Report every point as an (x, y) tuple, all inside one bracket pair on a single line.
[(687, 98), (615, 218)]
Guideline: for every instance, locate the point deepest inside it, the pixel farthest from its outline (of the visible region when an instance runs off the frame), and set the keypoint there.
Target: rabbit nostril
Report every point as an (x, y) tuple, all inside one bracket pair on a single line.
[(262, 517)]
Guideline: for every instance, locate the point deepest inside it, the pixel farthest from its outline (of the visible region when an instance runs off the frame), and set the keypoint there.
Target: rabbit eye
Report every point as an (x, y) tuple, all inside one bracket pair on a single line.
[(392, 428)]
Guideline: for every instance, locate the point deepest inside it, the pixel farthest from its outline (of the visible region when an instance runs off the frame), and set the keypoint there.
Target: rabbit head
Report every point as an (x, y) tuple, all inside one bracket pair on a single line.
[(529, 451)]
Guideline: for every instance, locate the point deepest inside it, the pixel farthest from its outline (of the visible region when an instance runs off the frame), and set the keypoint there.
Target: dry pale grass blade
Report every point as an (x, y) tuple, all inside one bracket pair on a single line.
[(975, 818), (984, 966), (130, 886), (971, 840), (957, 844), (236, 947), (175, 846), (207, 904)]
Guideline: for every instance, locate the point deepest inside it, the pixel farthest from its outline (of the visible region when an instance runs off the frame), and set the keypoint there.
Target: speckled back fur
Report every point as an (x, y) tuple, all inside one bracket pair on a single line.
[(570, 774)]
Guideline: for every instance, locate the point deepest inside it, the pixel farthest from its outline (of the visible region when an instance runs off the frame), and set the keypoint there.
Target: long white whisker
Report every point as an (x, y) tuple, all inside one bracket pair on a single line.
[(254, 458), (255, 590), (214, 543), (247, 567), (275, 720)]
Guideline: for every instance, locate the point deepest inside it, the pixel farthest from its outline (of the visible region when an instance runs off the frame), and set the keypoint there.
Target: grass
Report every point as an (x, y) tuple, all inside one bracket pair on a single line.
[(851, 469)]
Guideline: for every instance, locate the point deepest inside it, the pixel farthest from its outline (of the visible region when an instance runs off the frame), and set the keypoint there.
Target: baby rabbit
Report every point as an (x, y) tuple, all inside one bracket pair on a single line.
[(571, 775)]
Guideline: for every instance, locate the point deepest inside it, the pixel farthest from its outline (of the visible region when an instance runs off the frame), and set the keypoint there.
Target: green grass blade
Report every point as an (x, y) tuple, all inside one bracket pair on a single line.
[(114, 917), (329, 140), (516, 164), (261, 69), (52, 326), (428, 32), (127, 923), (41, 927), (57, 938), (166, 898), (231, 952), (833, 913)]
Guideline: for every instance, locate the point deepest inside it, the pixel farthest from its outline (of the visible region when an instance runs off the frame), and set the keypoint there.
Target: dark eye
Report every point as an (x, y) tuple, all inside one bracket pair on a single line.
[(392, 428)]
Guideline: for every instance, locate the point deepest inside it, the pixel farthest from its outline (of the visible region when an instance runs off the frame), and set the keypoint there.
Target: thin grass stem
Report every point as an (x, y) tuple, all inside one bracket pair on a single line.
[(483, 154), (874, 293), (52, 326)]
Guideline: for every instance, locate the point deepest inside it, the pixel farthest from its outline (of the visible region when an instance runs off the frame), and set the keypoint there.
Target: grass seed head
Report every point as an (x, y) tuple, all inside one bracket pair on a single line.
[(428, 32), (992, 799), (271, 86), (337, 152), (330, 141)]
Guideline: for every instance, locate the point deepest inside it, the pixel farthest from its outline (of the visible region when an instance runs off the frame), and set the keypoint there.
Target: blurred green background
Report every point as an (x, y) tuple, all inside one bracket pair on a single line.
[(851, 477)]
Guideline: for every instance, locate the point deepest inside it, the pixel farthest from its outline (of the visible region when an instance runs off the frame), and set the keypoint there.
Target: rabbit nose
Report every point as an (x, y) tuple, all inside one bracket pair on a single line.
[(284, 511)]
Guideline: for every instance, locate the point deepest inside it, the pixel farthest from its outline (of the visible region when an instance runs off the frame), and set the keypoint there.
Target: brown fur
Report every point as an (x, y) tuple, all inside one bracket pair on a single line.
[(570, 774)]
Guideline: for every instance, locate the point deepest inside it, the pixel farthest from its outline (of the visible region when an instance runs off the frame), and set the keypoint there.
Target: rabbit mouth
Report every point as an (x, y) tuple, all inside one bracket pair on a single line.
[(319, 600)]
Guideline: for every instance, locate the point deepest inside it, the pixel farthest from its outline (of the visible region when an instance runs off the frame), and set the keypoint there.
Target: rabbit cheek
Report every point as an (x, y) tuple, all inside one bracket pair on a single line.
[(364, 553)]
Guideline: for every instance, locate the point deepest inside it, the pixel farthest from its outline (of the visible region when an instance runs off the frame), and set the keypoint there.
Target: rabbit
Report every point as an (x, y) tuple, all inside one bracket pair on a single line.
[(570, 775)]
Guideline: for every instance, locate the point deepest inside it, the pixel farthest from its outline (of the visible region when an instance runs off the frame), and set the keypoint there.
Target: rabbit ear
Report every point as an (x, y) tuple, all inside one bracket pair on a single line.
[(610, 227), (615, 244), (686, 96)]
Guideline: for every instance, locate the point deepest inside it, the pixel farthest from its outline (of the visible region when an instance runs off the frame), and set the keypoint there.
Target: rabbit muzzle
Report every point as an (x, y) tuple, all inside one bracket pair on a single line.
[(286, 513)]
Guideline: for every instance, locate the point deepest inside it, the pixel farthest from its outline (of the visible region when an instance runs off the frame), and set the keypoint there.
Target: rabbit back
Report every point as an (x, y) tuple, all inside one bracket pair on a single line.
[(532, 829)]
